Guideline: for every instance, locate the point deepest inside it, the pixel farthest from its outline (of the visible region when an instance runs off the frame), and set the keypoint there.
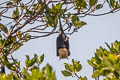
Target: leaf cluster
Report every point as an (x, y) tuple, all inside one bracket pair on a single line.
[(73, 69), (31, 71), (107, 62)]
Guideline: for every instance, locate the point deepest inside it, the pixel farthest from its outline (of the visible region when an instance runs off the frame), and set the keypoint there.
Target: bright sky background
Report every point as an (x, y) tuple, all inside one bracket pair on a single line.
[(82, 44)]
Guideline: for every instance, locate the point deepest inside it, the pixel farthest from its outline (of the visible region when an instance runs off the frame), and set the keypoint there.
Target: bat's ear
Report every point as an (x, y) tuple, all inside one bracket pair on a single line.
[(66, 38), (60, 32)]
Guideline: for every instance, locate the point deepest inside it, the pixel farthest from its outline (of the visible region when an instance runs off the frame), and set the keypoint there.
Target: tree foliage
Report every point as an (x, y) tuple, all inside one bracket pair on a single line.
[(31, 71), (107, 62), (24, 20)]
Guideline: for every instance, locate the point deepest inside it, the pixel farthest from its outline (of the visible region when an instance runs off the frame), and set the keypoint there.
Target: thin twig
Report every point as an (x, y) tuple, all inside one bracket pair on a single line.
[(77, 76)]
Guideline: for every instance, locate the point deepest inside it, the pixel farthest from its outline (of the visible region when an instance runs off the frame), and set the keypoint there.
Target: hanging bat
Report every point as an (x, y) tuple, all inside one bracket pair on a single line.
[(62, 44)]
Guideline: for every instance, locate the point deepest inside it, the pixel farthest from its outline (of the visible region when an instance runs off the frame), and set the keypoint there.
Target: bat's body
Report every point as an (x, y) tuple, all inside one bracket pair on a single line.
[(62, 46)]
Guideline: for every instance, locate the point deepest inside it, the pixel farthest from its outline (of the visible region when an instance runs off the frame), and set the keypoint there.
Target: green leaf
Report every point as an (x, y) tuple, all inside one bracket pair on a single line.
[(99, 6), (10, 66), (96, 74), (6, 77), (98, 60), (30, 12), (15, 14), (35, 6), (0, 38), (7, 43), (21, 6), (27, 61), (26, 37), (35, 74), (79, 23), (73, 61), (56, 20), (48, 69), (36, 58), (112, 3), (69, 14), (18, 46), (92, 2), (41, 58), (59, 6), (116, 45), (66, 73), (75, 18), (77, 66), (53, 7), (53, 77), (68, 67), (7, 63), (106, 62), (14, 1), (3, 28), (111, 58), (112, 49), (83, 78), (26, 75), (117, 5), (52, 11), (92, 62), (32, 62), (50, 20), (81, 3), (15, 77)]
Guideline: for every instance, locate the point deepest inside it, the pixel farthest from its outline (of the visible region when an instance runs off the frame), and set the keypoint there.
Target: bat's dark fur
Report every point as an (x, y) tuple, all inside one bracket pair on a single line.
[(62, 44)]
